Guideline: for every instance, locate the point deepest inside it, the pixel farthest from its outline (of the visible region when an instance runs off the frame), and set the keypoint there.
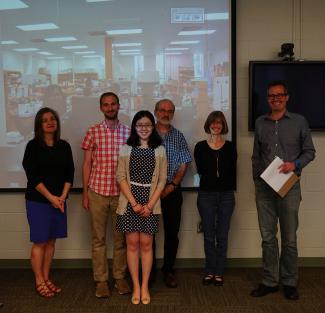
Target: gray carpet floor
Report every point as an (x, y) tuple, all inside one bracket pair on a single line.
[(18, 294)]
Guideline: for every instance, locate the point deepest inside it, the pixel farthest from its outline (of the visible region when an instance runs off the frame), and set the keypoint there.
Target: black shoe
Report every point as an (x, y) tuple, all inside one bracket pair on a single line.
[(290, 292), (170, 280), (218, 281), (207, 279), (262, 290)]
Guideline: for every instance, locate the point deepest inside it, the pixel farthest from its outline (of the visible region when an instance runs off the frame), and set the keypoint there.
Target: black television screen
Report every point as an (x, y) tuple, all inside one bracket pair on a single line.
[(306, 85)]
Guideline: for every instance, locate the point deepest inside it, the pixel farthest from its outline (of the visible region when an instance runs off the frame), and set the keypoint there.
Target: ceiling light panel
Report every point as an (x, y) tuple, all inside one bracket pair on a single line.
[(26, 49), (124, 31), (176, 49), (216, 16), (131, 53), (55, 58), (12, 4), (44, 26), (196, 32), (74, 47), (129, 50), (9, 42), (44, 53), (127, 44), (173, 53), (185, 42), (91, 56), (84, 52), (57, 39)]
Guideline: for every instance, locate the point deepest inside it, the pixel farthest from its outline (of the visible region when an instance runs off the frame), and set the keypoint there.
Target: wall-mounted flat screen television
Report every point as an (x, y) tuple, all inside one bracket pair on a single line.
[(306, 85)]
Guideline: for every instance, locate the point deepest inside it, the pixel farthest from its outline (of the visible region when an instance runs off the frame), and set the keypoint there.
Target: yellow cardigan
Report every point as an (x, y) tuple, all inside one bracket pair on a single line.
[(159, 176)]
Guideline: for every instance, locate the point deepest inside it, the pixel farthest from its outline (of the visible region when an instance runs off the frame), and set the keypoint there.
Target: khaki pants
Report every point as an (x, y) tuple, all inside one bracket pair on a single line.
[(100, 207)]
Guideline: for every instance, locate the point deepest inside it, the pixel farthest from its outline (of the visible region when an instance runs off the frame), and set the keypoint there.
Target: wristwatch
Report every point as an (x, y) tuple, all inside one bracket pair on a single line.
[(297, 164), (172, 183)]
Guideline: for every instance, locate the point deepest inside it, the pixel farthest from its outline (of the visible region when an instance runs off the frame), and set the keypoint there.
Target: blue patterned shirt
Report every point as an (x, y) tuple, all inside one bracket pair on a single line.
[(177, 151)]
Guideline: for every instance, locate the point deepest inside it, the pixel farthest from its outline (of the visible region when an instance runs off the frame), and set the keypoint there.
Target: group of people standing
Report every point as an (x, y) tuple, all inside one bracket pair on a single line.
[(135, 174)]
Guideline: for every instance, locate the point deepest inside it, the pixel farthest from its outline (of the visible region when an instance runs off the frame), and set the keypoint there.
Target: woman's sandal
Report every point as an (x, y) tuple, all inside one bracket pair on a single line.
[(218, 280), (52, 287), (208, 279), (44, 291)]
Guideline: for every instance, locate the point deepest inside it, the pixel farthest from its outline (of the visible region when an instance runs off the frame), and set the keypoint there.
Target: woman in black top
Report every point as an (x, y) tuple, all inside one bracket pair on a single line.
[(215, 160), (49, 169)]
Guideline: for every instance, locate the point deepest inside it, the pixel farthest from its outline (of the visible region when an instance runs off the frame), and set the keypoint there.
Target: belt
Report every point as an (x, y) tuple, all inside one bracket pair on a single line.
[(139, 184)]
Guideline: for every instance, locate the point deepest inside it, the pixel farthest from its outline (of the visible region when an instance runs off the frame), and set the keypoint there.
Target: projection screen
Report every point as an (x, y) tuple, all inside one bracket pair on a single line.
[(65, 53)]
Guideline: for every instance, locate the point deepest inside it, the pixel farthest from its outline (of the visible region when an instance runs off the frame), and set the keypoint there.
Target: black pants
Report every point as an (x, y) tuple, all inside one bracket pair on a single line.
[(171, 212)]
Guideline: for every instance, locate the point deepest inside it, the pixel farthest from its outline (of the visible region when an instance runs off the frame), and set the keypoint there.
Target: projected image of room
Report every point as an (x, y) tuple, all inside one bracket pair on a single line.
[(65, 54)]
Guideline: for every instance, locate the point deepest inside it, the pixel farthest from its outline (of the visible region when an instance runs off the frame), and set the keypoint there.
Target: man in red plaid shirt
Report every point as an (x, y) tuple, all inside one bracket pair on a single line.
[(101, 147)]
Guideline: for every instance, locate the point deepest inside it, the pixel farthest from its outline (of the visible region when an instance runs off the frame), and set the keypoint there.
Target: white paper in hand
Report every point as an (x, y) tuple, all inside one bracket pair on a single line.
[(278, 181)]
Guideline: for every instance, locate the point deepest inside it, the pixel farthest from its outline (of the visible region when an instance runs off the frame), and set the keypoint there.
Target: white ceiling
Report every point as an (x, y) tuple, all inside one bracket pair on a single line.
[(89, 21)]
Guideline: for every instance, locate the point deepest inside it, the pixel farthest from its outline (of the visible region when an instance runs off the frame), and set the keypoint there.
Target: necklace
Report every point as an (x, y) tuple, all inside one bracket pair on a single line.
[(216, 145)]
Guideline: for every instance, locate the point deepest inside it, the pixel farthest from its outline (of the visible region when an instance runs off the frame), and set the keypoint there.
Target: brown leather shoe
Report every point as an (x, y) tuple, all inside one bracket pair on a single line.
[(102, 290), (122, 286), (170, 280)]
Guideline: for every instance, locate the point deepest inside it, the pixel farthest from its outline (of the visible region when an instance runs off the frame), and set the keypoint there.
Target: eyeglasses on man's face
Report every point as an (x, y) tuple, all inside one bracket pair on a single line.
[(166, 111), (143, 126), (277, 96)]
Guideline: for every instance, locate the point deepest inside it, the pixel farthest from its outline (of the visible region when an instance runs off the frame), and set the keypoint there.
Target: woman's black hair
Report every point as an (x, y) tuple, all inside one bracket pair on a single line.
[(134, 139), (38, 129)]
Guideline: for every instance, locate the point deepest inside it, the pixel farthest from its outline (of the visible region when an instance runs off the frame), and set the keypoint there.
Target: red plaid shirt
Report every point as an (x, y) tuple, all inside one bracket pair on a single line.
[(105, 144)]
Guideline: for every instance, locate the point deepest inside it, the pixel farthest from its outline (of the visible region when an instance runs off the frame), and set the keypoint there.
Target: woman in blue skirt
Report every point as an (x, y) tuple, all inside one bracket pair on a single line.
[(49, 168)]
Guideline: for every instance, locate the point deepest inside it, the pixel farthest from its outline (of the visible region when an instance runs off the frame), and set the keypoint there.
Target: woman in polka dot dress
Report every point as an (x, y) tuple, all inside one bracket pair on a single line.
[(141, 173)]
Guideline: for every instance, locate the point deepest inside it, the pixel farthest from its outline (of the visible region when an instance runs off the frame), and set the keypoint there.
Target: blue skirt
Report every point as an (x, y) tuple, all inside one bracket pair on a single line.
[(45, 221)]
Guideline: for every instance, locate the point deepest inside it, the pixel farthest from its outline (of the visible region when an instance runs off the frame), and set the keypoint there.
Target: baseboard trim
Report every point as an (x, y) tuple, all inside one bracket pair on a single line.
[(180, 263)]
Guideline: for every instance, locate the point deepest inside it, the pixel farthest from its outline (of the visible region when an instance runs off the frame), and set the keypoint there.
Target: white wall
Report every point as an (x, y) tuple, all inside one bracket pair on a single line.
[(262, 26)]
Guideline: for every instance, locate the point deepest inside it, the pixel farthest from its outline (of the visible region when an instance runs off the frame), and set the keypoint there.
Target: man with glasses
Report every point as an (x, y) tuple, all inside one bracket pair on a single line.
[(286, 135), (101, 147), (178, 157)]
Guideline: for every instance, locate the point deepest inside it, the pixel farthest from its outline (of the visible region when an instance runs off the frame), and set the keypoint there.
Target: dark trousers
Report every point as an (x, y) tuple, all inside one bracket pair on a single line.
[(171, 213)]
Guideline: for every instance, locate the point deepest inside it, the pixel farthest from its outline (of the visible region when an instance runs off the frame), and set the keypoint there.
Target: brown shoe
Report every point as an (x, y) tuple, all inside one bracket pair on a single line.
[(122, 286), (170, 280), (102, 290)]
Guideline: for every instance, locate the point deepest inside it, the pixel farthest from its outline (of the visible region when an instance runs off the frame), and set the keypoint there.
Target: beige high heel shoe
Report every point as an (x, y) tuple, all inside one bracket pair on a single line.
[(145, 299), (135, 299)]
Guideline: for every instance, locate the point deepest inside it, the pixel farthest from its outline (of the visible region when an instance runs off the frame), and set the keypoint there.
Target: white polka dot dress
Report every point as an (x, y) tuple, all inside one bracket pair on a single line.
[(142, 164)]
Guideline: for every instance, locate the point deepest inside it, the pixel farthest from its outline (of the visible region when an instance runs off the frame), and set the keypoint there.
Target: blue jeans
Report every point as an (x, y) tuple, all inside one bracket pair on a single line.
[(215, 209), (271, 208)]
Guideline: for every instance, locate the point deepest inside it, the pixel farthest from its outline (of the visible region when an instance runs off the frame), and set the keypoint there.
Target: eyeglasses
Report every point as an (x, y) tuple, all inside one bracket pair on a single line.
[(166, 111), (277, 96), (144, 126), (51, 119)]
